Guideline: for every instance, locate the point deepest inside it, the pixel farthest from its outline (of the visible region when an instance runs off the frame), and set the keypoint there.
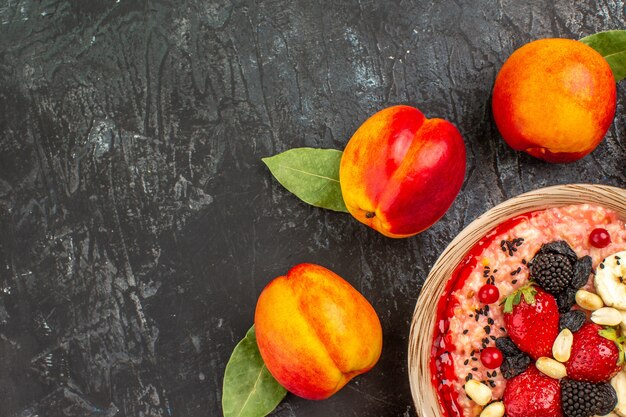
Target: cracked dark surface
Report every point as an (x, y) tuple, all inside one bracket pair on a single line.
[(138, 224)]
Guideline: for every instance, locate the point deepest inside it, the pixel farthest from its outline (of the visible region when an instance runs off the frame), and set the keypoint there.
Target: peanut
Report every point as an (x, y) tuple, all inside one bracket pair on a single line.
[(588, 300), (551, 368), (495, 409), (606, 316), (562, 347), (477, 391)]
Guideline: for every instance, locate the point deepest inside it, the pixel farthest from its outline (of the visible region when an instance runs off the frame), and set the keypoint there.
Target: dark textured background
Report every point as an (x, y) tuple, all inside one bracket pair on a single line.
[(138, 224)]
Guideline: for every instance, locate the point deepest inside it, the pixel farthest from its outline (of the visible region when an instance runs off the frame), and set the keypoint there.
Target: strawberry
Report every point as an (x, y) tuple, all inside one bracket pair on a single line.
[(532, 394), (531, 318), (596, 355)]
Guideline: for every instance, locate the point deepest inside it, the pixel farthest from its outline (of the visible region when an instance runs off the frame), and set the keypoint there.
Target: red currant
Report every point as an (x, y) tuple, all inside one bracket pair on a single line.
[(488, 294), (599, 238), (491, 357)]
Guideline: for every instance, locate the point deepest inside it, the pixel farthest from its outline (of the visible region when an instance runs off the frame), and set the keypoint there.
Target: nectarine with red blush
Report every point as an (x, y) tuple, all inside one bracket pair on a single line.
[(315, 332)]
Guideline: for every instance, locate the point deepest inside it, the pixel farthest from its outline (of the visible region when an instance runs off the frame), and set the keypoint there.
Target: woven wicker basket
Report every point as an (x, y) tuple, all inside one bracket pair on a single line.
[(422, 325)]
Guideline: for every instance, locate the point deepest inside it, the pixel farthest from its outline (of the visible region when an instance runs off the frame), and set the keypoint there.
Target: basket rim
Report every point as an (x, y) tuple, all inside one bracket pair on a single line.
[(421, 331)]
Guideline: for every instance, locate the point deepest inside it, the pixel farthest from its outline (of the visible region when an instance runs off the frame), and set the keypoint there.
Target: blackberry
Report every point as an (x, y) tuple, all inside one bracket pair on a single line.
[(553, 271), (584, 399), (512, 366), (572, 320)]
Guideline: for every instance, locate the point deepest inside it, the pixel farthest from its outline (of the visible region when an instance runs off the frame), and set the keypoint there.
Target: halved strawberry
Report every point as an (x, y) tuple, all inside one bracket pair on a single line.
[(597, 354), (531, 318), (532, 394)]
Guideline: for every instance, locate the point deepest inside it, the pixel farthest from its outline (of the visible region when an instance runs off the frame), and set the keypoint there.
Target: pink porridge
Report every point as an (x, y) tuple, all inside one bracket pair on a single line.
[(465, 326)]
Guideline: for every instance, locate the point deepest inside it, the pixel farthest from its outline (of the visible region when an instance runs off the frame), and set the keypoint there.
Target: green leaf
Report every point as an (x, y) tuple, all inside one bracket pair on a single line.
[(612, 46), (311, 174), (249, 389), (529, 294), (513, 299), (508, 304)]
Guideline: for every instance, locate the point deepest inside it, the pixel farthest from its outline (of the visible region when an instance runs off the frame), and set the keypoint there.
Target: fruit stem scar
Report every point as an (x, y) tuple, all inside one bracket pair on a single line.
[(370, 214)]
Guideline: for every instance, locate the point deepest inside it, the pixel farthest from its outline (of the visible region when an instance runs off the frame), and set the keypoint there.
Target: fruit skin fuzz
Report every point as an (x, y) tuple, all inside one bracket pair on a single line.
[(554, 99), (400, 171), (315, 332)]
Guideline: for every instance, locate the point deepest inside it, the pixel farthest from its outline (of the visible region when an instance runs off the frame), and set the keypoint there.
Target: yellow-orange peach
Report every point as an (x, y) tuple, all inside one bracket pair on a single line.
[(400, 171), (315, 332), (554, 99)]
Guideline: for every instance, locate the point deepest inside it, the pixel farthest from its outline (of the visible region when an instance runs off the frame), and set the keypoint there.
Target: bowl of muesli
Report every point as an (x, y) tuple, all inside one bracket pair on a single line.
[(524, 313)]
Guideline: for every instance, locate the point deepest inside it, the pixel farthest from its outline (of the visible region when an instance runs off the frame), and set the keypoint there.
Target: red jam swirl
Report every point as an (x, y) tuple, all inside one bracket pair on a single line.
[(441, 363)]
